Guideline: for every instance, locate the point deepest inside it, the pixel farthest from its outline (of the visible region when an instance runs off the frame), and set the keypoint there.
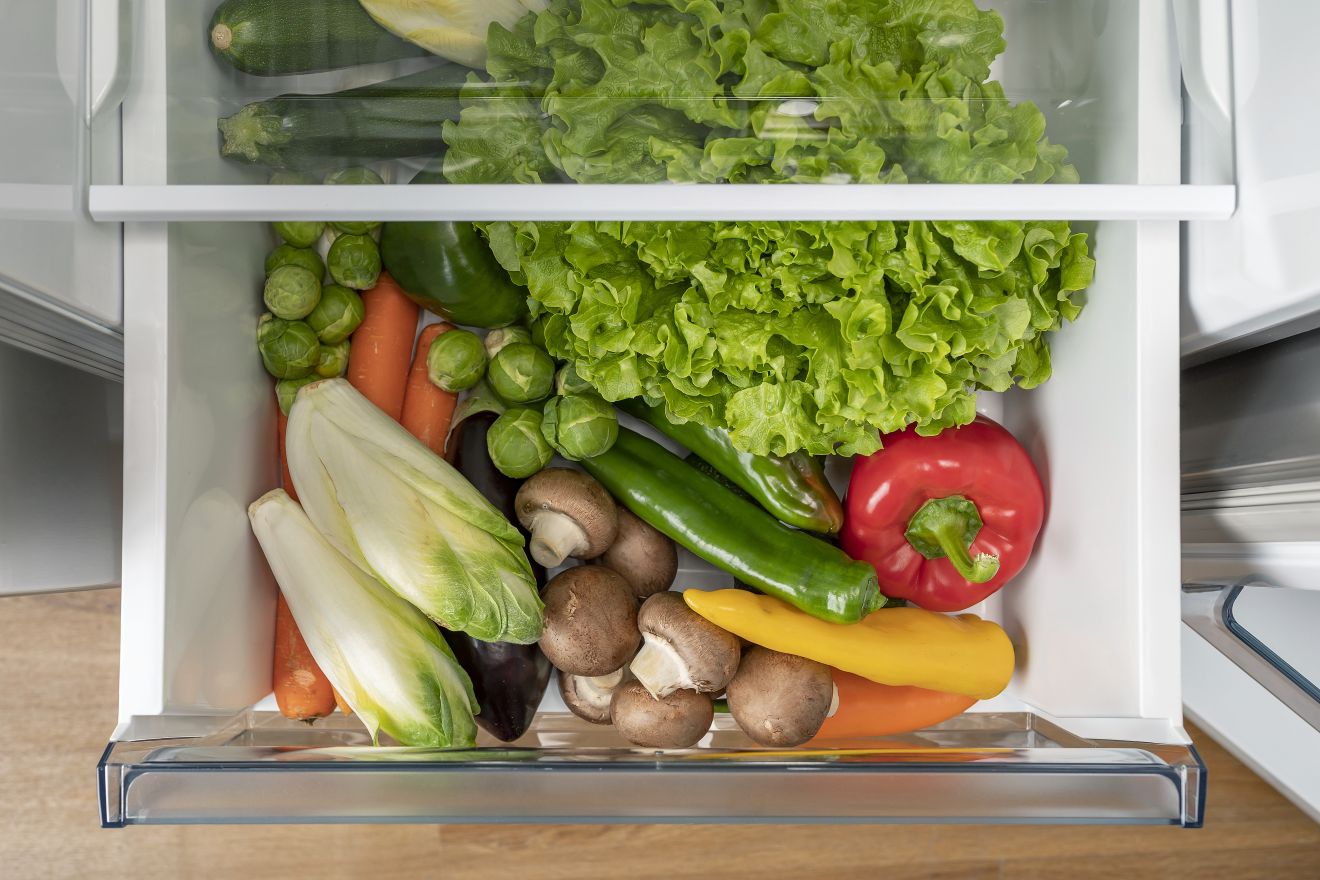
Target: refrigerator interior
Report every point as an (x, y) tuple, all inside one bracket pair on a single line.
[(1094, 617)]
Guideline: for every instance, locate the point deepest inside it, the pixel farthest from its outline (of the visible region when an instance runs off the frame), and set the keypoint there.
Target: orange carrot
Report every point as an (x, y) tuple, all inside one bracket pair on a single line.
[(381, 348), (869, 709), (343, 706), (301, 688), (427, 409), (286, 479)]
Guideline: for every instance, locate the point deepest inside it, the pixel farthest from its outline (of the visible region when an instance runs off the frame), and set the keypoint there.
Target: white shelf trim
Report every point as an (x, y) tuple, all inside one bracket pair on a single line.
[(702, 202)]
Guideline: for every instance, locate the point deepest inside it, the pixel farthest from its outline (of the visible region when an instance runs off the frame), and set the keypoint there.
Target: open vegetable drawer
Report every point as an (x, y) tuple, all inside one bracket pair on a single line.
[(1090, 729)]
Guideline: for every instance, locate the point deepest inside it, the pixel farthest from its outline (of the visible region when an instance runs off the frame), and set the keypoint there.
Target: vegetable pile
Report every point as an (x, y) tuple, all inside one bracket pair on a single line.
[(425, 504)]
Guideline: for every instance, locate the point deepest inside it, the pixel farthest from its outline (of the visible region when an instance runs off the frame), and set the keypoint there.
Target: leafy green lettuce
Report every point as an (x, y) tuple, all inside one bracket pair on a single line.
[(639, 91), (814, 336)]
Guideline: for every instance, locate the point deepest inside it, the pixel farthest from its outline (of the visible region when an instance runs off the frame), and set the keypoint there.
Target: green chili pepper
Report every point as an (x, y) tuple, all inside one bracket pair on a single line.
[(733, 533), (792, 487)]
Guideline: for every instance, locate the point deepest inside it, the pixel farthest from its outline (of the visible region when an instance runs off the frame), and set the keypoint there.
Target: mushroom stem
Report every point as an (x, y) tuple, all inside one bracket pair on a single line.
[(555, 537), (597, 689), (834, 701), (660, 669)]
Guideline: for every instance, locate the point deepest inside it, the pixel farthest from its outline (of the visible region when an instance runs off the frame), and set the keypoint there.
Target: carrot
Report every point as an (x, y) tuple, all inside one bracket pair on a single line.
[(381, 348), (301, 688), (868, 709), (427, 409), (343, 706), (286, 479)]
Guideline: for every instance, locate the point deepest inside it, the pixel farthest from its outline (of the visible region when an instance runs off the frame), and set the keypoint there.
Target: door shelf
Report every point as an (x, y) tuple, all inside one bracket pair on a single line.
[(1005, 768)]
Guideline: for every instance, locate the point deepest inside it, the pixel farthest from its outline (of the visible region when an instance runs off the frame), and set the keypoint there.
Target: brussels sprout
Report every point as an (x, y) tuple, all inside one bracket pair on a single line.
[(288, 255), (521, 373), (292, 178), (354, 261), (538, 334), (516, 445), (567, 381), (351, 177), (287, 389), (497, 340), (300, 233), (333, 361), (292, 292), (337, 315), (289, 349), (456, 361), (580, 426)]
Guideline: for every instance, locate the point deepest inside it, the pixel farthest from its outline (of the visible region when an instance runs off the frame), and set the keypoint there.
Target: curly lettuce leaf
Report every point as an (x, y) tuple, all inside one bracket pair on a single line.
[(753, 91), (802, 336)]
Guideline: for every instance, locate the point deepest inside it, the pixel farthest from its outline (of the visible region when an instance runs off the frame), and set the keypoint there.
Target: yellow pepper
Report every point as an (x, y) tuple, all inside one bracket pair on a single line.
[(894, 646)]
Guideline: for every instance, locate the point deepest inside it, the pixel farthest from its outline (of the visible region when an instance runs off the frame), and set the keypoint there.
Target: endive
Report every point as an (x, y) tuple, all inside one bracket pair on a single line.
[(408, 518), (453, 29), (383, 656)]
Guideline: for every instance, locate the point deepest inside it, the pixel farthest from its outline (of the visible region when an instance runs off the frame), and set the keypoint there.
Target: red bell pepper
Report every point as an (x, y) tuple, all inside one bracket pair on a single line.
[(945, 520)]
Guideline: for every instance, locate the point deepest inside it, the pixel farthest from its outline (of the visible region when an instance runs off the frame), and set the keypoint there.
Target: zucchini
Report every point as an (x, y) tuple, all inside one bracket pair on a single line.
[(391, 120), (282, 37)]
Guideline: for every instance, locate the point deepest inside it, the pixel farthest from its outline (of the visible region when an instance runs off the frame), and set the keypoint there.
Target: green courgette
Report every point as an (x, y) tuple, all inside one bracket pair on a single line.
[(734, 533), (282, 37), (448, 268), (389, 120)]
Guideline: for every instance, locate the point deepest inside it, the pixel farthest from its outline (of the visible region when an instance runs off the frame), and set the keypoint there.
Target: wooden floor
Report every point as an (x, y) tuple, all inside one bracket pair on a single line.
[(58, 667)]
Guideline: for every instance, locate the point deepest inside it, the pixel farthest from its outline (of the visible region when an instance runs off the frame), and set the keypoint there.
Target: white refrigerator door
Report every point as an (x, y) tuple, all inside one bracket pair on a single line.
[(61, 301), (61, 275), (1253, 278)]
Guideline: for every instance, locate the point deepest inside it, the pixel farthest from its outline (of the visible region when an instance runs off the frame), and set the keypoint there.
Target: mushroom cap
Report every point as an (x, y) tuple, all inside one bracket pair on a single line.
[(575, 495), (677, 721), (589, 697), (780, 700), (590, 621), (645, 556), (710, 653)]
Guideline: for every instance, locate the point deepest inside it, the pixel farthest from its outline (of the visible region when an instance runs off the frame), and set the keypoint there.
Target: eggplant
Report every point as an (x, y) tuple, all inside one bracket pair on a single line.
[(509, 680)]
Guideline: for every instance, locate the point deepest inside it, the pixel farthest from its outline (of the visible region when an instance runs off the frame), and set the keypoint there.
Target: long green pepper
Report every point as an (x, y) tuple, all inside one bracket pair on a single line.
[(733, 533), (793, 487)]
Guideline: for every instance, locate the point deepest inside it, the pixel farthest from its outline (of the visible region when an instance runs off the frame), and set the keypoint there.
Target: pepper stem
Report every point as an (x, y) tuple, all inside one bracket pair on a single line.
[(945, 528)]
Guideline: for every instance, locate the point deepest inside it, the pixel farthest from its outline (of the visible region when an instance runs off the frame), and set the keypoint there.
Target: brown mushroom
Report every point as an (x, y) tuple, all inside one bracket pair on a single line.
[(646, 557), (677, 721), (588, 697), (681, 649), (590, 621), (780, 700), (568, 514)]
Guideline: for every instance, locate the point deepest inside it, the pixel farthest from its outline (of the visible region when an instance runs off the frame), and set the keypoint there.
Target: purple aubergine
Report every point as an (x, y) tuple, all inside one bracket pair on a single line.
[(509, 680)]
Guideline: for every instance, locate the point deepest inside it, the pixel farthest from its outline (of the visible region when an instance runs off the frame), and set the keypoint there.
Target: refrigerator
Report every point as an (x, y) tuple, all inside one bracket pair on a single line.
[(1174, 579)]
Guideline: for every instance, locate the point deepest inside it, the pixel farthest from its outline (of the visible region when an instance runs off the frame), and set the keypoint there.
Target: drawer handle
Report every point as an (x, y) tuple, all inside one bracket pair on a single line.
[(1208, 610)]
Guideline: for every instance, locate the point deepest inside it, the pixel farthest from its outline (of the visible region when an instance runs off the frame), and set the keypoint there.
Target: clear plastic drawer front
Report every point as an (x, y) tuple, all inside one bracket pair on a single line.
[(258, 767)]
